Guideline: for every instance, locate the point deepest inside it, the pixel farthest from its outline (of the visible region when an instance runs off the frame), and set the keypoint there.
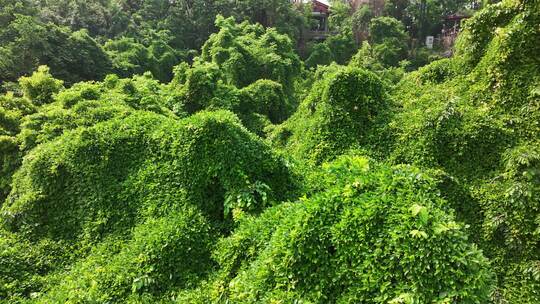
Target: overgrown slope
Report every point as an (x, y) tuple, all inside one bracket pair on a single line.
[(217, 188)]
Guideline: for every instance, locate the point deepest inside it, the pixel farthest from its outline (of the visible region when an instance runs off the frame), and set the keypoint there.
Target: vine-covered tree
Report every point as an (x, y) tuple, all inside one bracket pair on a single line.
[(151, 152)]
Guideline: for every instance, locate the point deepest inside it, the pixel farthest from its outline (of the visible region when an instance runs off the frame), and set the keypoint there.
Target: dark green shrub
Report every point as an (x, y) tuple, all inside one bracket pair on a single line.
[(128, 57), (89, 60), (390, 52), (420, 57), (28, 43), (382, 28), (165, 58), (320, 54), (389, 40), (343, 46), (266, 97)]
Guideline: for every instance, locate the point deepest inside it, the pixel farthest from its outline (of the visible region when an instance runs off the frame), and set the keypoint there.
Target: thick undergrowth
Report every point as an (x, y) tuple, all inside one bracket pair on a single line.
[(252, 177)]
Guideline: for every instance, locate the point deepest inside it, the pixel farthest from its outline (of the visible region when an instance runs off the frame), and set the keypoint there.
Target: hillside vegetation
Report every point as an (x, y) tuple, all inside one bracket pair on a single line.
[(136, 170)]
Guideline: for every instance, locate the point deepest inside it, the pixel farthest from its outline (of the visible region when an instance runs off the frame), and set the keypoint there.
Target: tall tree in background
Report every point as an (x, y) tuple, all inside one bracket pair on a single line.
[(269, 13), (424, 17), (10, 8), (96, 16), (72, 56)]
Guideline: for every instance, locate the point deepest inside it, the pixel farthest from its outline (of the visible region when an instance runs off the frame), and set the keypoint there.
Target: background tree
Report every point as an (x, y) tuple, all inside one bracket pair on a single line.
[(320, 54), (424, 17), (388, 40), (72, 56), (360, 22), (11, 8), (269, 13), (95, 16)]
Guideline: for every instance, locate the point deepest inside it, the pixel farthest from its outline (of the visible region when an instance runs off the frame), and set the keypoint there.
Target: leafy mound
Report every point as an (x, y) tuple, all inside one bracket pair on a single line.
[(476, 117), (203, 87), (243, 68), (96, 184), (12, 111), (163, 254), (131, 190), (100, 177), (343, 108), (246, 53), (47, 110), (375, 235), (87, 103)]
